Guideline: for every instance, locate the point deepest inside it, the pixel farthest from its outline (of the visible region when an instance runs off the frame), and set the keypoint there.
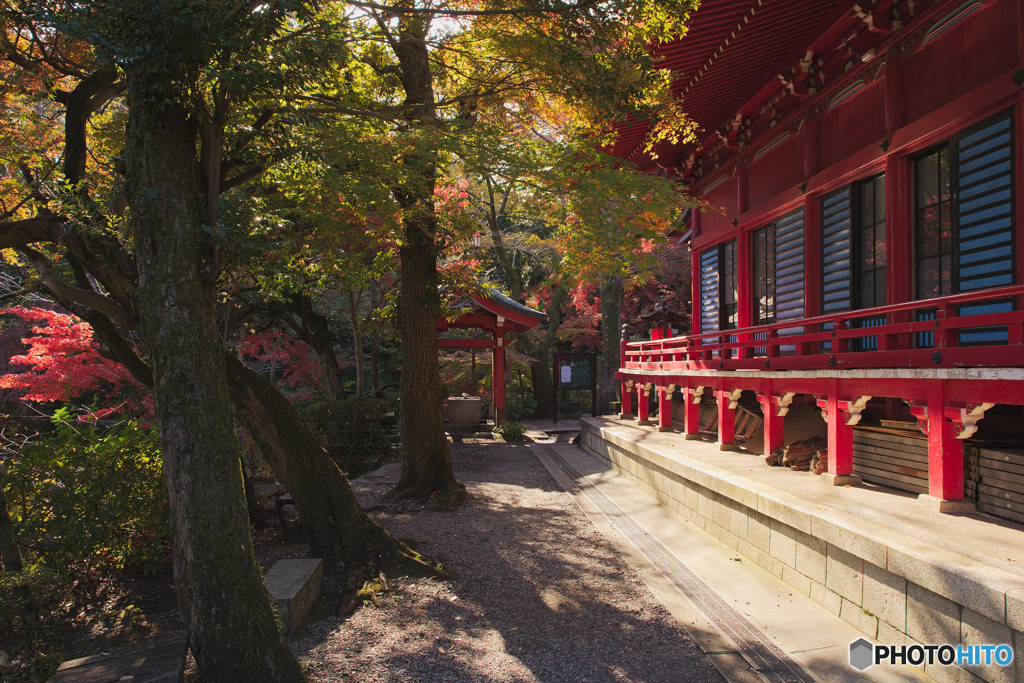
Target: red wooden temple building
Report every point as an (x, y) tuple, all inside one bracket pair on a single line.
[(863, 251)]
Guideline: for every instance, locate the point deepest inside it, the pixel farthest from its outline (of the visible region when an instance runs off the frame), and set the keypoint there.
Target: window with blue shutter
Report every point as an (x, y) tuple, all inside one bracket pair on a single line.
[(964, 221)]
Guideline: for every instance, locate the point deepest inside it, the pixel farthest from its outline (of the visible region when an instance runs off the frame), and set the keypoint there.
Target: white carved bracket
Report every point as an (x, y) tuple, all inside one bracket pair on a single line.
[(783, 402), (850, 411), (920, 413), (670, 389), (629, 385), (647, 388), (965, 420), (734, 398), (697, 393), (854, 408)]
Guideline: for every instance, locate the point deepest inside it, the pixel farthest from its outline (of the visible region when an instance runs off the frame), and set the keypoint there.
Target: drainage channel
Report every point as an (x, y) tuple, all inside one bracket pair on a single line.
[(769, 661)]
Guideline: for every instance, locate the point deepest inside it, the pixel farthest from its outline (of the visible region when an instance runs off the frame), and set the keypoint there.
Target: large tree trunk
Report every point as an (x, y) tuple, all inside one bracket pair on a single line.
[(611, 305), (234, 635), (426, 462), (540, 351), (10, 554), (334, 524)]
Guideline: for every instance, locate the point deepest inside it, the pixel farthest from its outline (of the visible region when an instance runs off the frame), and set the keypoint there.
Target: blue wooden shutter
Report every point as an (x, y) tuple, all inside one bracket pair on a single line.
[(789, 267), (984, 219), (709, 290), (836, 252)]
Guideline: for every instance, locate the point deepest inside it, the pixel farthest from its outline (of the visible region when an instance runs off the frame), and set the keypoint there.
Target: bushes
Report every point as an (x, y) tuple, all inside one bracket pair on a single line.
[(29, 601), (511, 431), (88, 498), (520, 406)]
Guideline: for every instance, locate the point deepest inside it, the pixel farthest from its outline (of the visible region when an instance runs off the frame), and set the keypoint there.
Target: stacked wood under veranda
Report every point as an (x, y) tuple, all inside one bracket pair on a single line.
[(802, 456)]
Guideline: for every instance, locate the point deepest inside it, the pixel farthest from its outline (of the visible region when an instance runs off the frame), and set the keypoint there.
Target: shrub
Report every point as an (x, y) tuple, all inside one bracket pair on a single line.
[(511, 431), (29, 601), (521, 406), (92, 497)]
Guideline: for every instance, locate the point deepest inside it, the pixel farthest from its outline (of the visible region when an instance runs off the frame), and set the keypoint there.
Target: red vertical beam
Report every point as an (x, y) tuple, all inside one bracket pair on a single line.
[(498, 378), (945, 451), (627, 400), (744, 305), (643, 405), (812, 257), (812, 268), (840, 440), (726, 421), (774, 426), (810, 135), (691, 414), (664, 409), (1019, 157), (695, 302), (894, 89)]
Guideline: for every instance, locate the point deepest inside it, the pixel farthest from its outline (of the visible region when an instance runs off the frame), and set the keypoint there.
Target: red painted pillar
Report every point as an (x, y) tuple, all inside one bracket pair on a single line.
[(726, 421), (627, 402), (643, 405), (498, 378), (774, 426), (691, 413), (945, 452), (840, 442), (665, 409)]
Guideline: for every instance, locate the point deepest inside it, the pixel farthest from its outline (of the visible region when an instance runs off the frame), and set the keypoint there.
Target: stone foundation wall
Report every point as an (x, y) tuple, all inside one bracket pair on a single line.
[(898, 591)]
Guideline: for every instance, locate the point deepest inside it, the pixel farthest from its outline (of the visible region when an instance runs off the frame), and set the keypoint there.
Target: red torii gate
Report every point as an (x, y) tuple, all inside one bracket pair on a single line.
[(494, 312)]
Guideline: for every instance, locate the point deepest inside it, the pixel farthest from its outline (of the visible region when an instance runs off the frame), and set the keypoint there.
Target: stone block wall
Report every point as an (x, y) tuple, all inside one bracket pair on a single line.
[(895, 589)]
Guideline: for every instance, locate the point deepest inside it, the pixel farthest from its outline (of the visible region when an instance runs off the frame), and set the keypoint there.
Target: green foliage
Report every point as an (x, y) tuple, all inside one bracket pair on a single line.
[(511, 431), (28, 601), (90, 498), (520, 406)]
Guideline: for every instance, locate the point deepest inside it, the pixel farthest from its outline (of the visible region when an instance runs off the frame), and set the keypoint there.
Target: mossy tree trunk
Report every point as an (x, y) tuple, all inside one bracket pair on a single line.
[(539, 349), (10, 554), (611, 306), (334, 524), (234, 634), (426, 462)]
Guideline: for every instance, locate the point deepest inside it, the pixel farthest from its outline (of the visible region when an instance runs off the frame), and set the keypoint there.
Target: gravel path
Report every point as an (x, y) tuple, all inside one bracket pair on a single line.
[(541, 596)]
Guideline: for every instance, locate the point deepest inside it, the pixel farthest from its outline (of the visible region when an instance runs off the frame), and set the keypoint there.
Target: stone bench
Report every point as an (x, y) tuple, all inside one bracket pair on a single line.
[(295, 585), (162, 661)]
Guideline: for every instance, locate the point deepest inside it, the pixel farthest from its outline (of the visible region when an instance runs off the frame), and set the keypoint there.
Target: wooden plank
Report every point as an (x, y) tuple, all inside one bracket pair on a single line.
[(894, 468), (889, 454), (1012, 480), (161, 661), (1002, 494), (1002, 466), (895, 472), (1000, 512), (911, 438), (1014, 457), (896, 459), (890, 440), (896, 481), (1000, 503)]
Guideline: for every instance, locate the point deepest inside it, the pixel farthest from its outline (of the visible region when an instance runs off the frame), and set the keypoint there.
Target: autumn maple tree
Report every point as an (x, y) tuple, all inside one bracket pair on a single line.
[(63, 362)]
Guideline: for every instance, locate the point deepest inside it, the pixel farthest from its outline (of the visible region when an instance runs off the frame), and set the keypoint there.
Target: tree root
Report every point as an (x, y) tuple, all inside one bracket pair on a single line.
[(449, 498)]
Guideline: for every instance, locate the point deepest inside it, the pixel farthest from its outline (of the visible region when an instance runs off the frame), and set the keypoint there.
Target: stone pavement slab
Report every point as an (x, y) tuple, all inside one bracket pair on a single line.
[(802, 630)]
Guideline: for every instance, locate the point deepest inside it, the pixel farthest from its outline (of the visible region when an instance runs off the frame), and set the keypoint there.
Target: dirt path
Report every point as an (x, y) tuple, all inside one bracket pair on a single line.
[(541, 596)]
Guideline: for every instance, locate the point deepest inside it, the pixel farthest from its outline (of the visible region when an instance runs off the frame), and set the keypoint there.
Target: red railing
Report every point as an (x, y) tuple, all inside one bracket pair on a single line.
[(932, 333)]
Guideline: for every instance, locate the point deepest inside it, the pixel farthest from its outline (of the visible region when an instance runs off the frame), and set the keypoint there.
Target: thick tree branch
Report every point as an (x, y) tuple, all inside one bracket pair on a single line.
[(85, 297), (30, 230)]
